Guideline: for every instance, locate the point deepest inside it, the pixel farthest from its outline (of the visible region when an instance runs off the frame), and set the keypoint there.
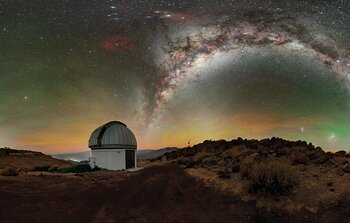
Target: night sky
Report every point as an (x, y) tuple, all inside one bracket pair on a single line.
[(174, 71)]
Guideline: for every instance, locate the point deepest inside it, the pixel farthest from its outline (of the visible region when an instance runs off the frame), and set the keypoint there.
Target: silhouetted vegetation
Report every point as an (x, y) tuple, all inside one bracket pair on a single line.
[(42, 168), (77, 169), (10, 171)]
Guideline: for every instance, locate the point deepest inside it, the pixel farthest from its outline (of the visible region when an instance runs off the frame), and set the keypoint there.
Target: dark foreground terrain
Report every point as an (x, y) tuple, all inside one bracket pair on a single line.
[(156, 194), (271, 180)]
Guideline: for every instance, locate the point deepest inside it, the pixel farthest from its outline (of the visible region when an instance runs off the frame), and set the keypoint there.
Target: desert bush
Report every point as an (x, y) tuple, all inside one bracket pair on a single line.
[(198, 157), (272, 177), (246, 167), (41, 168), (300, 158), (10, 171), (153, 159), (77, 169), (53, 168), (186, 162), (252, 144)]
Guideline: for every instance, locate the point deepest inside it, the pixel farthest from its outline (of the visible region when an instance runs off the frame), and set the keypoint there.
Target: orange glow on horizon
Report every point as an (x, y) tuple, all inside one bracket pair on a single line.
[(74, 137)]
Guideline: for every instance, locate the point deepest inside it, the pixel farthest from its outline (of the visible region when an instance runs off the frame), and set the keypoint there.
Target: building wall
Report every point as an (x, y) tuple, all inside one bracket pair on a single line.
[(111, 159)]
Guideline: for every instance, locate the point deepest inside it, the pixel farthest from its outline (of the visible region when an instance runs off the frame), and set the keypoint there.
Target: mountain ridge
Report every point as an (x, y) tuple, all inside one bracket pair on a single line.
[(141, 154)]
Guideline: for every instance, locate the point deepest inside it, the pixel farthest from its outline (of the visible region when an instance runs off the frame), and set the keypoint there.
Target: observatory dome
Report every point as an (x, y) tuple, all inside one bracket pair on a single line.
[(112, 135)]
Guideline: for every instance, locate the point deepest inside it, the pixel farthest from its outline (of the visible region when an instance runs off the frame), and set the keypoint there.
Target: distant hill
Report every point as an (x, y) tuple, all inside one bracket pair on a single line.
[(28, 160), (141, 154), (76, 157), (149, 154)]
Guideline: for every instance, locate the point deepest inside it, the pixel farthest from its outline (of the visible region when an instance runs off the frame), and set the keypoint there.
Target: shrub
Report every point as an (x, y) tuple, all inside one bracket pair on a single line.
[(41, 168), (272, 177), (153, 160), (186, 162), (53, 168), (9, 172), (246, 167), (77, 169), (300, 158)]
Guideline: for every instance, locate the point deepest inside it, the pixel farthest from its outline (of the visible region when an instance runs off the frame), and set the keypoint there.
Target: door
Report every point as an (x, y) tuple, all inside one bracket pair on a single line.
[(130, 158)]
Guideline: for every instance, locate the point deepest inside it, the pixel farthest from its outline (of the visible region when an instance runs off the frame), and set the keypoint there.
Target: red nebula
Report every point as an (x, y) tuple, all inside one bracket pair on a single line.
[(117, 43), (179, 16), (279, 40)]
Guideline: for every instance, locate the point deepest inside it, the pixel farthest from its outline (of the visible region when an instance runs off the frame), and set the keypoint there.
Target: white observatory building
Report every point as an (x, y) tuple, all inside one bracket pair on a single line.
[(113, 147)]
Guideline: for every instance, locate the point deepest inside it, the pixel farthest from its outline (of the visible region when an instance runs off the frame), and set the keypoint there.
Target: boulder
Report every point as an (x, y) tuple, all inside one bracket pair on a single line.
[(186, 162), (300, 158), (340, 172), (348, 154), (235, 167), (210, 161), (223, 174), (346, 168), (340, 153)]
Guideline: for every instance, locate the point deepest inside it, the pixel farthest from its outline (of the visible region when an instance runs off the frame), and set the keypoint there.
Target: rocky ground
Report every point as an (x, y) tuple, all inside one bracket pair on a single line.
[(274, 174)]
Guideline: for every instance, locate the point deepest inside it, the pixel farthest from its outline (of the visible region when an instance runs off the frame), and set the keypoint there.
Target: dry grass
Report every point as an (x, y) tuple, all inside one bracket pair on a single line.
[(234, 151), (271, 177), (198, 157)]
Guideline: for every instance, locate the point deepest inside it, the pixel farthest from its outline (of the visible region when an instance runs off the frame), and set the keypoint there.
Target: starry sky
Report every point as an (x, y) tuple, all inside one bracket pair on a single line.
[(174, 71)]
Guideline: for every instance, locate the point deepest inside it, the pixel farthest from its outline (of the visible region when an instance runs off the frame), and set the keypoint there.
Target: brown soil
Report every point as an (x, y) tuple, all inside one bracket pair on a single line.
[(156, 194)]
